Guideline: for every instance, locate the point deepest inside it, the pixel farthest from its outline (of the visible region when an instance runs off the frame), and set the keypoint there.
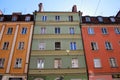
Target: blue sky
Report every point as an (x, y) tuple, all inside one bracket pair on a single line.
[(88, 7)]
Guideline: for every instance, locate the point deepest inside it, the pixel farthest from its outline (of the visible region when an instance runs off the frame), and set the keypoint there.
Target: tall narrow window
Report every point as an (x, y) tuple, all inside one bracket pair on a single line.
[(97, 63), (42, 46), (2, 60), (57, 18), (5, 45), (94, 46), (70, 18), (57, 46), (117, 30), (21, 45), (72, 30), (57, 30), (74, 63), (27, 18), (57, 63), (108, 45), (43, 30), (73, 46), (18, 63), (44, 18), (113, 62), (87, 19), (90, 30), (104, 31), (10, 29), (24, 30), (40, 63)]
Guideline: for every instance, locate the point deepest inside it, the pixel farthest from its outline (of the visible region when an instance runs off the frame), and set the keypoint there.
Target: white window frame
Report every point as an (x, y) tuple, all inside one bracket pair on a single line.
[(18, 63), (2, 61), (43, 30), (97, 63), (57, 63), (108, 45), (113, 62), (42, 46), (44, 18), (57, 30), (75, 63), (40, 63), (21, 45), (57, 18), (90, 30), (94, 46), (104, 30)]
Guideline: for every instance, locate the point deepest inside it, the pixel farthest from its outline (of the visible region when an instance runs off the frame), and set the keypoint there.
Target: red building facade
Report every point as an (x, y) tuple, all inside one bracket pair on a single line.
[(101, 37)]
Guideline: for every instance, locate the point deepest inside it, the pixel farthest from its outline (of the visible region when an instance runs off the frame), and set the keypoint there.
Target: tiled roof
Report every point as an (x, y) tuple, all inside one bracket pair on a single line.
[(19, 17), (106, 20)]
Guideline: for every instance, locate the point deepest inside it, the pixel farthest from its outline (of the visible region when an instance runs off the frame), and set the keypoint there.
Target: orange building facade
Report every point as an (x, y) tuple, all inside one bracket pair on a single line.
[(15, 42), (101, 37)]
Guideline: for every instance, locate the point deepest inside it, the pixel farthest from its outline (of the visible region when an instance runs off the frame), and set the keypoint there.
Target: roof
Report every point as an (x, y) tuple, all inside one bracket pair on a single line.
[(106, 20), (19, 17)]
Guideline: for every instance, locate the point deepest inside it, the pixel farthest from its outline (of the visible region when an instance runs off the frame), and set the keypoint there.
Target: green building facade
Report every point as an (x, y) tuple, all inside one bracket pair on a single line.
[(57, 48)]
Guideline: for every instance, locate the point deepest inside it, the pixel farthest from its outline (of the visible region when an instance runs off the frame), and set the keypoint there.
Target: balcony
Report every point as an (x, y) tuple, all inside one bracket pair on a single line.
[(53, 36), (53, 52), (57, 71)]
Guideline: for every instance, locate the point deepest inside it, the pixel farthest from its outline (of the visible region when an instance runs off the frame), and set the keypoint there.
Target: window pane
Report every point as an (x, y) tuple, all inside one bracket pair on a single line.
[(57, 63), (90, 30), (74, 63), (57, 46), (113, 62), (40, 63), (71, 30), (42, 46), (24, 30), (104, 30), (97, 63), (9, 30), (117, 30)]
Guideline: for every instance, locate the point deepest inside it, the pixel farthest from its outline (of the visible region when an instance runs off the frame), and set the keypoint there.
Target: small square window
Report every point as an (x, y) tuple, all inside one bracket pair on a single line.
[(14, 18), (57, 18), (90, 30), (44, 18), (42, 46), (27, 18), (1, 18), (100, 19), (87, 19), (112, 19)]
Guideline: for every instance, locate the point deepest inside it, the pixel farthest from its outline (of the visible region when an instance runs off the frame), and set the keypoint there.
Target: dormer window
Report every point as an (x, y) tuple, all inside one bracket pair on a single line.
[(100, 19), (27, 18), (112, 19), (14, 18), (1, 18), (87, 19)]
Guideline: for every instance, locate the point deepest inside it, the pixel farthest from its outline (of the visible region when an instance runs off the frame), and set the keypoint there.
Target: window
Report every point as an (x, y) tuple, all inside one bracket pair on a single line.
[(104, 31), (117, 30), (108, 45), (113, 62), (14, 18), (72, 30), (94, 46), (90, 30), (1, 18), (73, 46), (10, 29), (18, 63), (70, 18), (40, 63), (21, 45), (2, 60), (24, 30), (43, 30), (97, 63), (42, 46), (57, 18), (100, 19), (44, 18), (57, 46), (27, 18), (74, 63), (57, 63), (87, 19), (5, 45), (57, 30), (112, 19)]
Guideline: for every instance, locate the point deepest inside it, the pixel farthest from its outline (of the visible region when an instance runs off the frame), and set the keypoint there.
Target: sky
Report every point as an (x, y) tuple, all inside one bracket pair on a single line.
[(87, 7)]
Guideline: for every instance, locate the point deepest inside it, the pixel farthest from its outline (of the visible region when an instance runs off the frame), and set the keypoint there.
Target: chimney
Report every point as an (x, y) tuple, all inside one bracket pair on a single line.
[(40, 7), (1, 12), (74, 8)]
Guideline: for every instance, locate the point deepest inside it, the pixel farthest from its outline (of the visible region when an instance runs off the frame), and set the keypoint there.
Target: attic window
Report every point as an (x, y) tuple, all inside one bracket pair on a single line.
[(14, 18), (27, 18), (87, 19), (1, 18), (100, 19), (112, 19)]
